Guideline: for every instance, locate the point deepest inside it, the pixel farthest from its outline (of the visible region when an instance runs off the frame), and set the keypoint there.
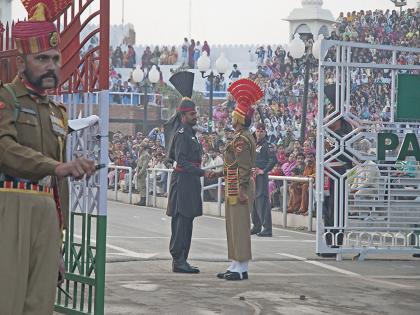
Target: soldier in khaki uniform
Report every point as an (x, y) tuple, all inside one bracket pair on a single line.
[(141, 170), (32, 170), (239, 162)]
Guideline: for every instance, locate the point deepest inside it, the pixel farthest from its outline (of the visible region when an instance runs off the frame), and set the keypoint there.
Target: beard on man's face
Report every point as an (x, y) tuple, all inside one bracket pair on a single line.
[(48, 80)]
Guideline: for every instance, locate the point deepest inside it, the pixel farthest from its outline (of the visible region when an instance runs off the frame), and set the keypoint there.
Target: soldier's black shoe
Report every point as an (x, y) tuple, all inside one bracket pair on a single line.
[(254, 231), (184, 268), (222, 275), (265, 233), (142, 202), (234, 276), (416, 255)]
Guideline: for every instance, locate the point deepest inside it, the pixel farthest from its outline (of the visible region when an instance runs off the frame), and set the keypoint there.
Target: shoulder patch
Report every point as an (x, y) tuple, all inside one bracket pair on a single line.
[(181, 130), (64, 108), (239, 144), (2, 105)]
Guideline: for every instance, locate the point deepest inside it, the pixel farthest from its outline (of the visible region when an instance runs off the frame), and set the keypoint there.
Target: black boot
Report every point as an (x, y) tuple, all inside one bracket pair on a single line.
[(255, 230), (142, 202), (184, 267), (222, 275)]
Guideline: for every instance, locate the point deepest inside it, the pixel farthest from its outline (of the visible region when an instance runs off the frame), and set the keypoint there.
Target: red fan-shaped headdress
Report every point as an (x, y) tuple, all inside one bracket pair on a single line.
[(246, 93)]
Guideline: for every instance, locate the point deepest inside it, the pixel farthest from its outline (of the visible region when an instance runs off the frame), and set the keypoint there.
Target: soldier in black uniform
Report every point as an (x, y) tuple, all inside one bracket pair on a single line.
[(266, 160), (184, 202)]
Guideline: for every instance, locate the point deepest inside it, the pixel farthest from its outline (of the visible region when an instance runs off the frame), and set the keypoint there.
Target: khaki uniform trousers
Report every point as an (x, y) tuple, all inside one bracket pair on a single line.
[(238, 227), (29, 253)]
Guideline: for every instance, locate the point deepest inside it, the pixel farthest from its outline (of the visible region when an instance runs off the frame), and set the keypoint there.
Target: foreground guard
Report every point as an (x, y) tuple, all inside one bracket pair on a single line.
[(33, 132), (184, 202), (239, 161)]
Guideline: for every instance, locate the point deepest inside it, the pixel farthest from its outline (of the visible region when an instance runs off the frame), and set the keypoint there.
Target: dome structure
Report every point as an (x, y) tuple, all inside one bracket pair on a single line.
[(311, 18), (5, 11)]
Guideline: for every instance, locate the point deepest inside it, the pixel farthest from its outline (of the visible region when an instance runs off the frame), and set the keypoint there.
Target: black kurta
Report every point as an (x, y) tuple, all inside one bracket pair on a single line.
[(185, 189)]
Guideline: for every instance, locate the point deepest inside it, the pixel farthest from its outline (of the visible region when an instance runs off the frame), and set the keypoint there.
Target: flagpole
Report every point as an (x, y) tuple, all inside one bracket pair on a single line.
[(190, 18)]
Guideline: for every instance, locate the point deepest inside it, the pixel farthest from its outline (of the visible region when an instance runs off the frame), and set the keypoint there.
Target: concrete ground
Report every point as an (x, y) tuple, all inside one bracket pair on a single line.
[(285, 277)]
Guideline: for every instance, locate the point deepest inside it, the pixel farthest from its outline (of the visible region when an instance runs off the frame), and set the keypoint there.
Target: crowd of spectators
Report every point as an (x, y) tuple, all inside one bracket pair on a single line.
[(122, 57), (282, 79), (125, 56)]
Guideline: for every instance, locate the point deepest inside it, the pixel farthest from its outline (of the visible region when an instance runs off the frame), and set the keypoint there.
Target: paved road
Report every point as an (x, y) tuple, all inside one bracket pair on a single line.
[(286, 277)]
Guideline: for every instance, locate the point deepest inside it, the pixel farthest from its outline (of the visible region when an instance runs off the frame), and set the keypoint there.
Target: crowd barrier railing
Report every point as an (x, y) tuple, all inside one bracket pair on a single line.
[(115, 98), (287, 179), (116, 181), (151, 174)]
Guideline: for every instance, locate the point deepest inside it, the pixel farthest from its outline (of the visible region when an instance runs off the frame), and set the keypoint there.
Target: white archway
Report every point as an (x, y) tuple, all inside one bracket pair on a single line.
[(303, 29), (324, 31)]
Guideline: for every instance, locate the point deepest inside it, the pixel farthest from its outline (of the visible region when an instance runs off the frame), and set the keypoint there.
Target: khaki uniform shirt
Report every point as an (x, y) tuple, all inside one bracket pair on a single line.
[(32, 140)]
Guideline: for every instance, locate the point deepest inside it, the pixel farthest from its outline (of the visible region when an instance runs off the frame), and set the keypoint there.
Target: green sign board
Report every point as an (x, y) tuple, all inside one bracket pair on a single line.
[(408, 98)]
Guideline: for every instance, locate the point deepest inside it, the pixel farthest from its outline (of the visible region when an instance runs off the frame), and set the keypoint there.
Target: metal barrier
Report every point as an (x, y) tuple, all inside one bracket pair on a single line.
[(153, 171), (130, 180), (115, 98), (220, 183), (285, 179)]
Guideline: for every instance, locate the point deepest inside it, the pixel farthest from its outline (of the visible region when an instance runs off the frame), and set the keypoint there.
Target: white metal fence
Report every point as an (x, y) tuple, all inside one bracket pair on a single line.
[(128, 182), (152, 185), (115, 98), (286, 180)]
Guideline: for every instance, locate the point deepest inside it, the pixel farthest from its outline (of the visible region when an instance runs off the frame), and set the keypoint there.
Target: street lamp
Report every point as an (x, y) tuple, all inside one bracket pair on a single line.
[(399, 4), (140, 77), (222, 66), (297, 50)]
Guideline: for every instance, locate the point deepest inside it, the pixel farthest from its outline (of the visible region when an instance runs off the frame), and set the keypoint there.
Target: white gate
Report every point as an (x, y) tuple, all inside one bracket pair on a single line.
[(367, 192)]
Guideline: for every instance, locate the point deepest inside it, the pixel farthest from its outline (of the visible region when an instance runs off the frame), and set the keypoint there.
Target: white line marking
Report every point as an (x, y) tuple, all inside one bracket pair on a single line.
[(126, 252), (346, 272), (322, 265), (194, 238)]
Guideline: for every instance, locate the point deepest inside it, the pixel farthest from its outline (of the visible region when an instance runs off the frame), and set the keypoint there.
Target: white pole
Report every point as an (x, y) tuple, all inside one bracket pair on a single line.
[(122, 15), (284, 203), (189, 18)]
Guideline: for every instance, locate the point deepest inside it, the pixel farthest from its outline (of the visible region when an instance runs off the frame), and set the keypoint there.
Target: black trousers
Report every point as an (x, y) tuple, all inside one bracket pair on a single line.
[(181, 232), (261, 213)]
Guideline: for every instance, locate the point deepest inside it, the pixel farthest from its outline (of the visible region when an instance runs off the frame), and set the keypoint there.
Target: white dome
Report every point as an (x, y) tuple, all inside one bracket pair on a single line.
[(317, 3)]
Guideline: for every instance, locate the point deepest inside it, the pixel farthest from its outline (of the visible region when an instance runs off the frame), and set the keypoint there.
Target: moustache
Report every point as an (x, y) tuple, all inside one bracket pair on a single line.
[(49, 75)]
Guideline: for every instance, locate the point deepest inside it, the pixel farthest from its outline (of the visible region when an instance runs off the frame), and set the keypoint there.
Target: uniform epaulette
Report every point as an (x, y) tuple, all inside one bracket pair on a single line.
[(62, 106), (243, 138), (181, 130)]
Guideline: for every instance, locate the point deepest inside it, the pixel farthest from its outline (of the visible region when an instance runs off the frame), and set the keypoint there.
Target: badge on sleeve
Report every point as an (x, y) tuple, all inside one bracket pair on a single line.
[(239, 146), (2, 105)]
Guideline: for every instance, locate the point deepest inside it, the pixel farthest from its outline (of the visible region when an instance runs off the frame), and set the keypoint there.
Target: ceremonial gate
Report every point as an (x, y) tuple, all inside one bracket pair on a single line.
[(84, 29), (368, 174)]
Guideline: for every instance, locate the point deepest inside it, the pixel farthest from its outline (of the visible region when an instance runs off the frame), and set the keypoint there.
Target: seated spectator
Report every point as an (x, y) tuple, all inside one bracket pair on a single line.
[(309, 171), (288, 166), (173, 56)]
